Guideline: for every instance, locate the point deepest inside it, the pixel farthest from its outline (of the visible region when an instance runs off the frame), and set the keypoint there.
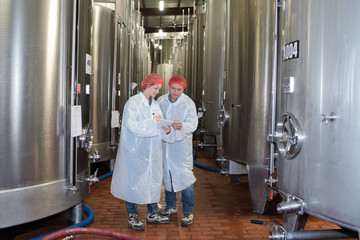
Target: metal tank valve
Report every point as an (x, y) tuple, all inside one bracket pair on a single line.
[(291, 205), (95, 156), (93, 178), (224, 171), (278, 232), (86, 139)]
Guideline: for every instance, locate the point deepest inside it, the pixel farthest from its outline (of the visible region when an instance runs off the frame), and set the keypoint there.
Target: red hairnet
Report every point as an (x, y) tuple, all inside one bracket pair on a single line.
[(177, 79), (151, 80)]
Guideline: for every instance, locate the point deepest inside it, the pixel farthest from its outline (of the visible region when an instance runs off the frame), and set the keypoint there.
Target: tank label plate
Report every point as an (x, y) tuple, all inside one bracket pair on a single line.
[(291, 50)]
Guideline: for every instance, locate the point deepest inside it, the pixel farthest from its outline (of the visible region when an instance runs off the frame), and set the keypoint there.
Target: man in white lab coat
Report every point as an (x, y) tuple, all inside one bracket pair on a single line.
[(178, 156)]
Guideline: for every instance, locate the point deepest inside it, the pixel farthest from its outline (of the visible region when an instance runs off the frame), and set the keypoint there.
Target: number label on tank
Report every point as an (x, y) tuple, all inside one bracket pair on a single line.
[(291, 50)]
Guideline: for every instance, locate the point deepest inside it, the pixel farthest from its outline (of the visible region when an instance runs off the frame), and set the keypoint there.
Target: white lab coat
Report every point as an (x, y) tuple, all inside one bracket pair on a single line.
[(138, 170), (178, 156)]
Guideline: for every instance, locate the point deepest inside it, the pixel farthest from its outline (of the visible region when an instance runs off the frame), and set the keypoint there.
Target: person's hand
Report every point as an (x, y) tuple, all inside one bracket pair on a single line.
[(177, 125), (166, 129), (157, 118)]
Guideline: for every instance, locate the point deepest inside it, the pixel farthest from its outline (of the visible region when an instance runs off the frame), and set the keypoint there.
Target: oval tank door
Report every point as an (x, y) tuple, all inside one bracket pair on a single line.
[(289, 136)]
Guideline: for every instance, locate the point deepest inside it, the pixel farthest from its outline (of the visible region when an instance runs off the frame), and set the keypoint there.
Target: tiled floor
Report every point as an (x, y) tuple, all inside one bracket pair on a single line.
[(222, 211)]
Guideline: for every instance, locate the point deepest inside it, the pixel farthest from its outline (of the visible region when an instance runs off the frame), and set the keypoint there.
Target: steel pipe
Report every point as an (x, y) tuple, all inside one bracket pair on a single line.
[(322, 234)]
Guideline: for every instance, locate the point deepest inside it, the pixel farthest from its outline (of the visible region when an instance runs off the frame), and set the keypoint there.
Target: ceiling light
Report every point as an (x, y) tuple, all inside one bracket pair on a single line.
[(161, 5), (160, 31), (160, 47)]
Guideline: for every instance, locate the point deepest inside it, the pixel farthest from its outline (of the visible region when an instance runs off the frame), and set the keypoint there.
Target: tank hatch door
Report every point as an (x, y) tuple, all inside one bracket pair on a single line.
[(223, 117), (289, 136)]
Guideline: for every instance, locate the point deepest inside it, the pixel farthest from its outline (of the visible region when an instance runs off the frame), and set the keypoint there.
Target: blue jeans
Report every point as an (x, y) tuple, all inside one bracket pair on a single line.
[(132, 208), (187, 199)]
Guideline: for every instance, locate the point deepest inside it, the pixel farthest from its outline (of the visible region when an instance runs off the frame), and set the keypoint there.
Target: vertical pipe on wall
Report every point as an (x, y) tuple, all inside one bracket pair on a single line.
[(115, 73), (188, 20), (73, 160), (273, 90), (183, 14), (130, 29)]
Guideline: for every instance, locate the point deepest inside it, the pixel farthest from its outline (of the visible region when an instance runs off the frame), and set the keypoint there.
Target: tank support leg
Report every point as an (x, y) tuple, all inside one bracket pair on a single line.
[(77, 213), (294, 222), (256, 176)]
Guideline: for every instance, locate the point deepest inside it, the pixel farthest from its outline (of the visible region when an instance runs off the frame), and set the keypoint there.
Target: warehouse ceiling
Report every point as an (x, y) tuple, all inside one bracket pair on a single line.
[(170, 19)]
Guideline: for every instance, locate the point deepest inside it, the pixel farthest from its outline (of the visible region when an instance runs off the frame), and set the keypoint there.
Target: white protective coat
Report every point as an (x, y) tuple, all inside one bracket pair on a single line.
[(138, 171), (178, 156)]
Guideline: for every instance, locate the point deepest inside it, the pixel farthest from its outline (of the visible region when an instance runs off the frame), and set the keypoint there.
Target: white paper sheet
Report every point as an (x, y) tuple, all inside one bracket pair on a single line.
[(88, 65), (133, 85), (76, 125), (115, 119), (164, 122)]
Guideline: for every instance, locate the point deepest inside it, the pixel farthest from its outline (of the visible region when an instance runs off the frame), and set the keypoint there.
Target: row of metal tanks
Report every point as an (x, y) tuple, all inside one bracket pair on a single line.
[(65, 74), (278, 94)]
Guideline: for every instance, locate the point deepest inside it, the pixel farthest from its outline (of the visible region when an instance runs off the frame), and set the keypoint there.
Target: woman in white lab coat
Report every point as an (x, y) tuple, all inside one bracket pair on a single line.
[(138, 169)]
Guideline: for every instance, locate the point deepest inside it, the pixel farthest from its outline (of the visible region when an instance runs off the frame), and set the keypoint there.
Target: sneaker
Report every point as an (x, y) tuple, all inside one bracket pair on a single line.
[(169, 211), (187, 220), (157, 218), (134, 222)]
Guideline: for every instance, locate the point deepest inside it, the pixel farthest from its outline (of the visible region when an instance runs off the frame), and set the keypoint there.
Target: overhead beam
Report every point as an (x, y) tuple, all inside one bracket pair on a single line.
[(165, 29), (165, 12)]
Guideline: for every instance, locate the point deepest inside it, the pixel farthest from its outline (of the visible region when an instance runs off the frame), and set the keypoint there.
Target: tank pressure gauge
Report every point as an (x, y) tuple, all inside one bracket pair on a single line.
[(289, 136)]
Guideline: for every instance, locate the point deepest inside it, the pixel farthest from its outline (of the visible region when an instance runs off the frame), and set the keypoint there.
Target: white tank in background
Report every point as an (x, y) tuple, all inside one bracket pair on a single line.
[(161, 52)]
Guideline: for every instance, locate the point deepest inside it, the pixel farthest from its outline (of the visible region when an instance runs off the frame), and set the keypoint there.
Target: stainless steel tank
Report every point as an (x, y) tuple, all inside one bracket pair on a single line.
[(102, 84), (318, 109), (123, 50), (213, 63), (83, 78), (145, 65), (188, 62), (143, 55), (247, 91), (179, 58), (198, 54), (146, 58), (40, 172), (137, 47), (248, 80)]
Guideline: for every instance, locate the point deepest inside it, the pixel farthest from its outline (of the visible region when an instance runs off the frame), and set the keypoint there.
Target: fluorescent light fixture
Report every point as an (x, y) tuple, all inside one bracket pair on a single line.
[(160, 47), (161, 5), (160, 31)]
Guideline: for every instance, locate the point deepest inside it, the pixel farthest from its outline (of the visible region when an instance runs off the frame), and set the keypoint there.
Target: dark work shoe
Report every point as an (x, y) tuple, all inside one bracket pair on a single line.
[(134, 222), (187, 220), (169, 211), (157, 218)]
